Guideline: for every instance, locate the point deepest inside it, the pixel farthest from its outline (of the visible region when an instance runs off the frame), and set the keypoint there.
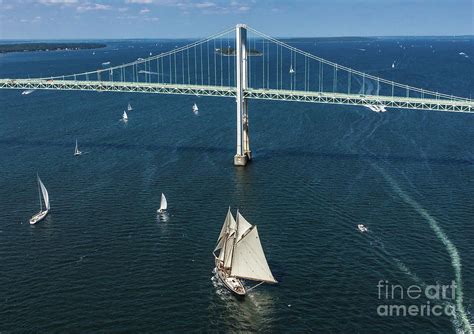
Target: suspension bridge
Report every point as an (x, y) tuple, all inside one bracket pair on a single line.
[(244, 64)]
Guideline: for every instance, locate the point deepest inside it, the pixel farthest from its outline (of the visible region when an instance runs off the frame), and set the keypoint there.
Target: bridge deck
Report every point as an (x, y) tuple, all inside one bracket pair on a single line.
[(358, 99), (266, 94)]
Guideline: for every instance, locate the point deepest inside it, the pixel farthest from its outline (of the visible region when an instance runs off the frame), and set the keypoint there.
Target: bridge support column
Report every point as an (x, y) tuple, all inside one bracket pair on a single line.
[(243, 154)]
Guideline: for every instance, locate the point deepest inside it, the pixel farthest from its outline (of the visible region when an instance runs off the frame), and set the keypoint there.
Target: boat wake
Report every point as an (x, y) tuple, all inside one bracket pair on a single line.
[(462, 321), (82, 257), (162, 217)]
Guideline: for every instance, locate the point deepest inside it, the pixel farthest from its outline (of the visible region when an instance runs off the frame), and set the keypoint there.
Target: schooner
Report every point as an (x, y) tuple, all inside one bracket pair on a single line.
[(239, 255)]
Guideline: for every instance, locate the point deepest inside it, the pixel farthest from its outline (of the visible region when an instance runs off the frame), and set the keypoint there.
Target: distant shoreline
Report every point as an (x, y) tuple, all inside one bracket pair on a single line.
[(31, 47)]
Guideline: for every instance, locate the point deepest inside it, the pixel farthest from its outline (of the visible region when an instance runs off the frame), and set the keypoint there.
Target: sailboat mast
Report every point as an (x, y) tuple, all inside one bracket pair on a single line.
[(226, 236), (235, 238)]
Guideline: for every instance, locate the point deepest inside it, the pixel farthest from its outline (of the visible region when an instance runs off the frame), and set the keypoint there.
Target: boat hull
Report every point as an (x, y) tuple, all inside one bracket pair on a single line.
[(233, 284), (38, 217)]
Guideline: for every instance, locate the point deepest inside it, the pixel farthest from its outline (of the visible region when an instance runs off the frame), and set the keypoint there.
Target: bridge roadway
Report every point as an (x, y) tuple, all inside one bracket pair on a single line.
[(455, 105)]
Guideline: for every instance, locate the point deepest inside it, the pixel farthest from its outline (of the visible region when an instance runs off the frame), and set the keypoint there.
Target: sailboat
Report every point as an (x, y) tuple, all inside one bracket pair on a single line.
[(129, 107), (362, 228), (42, 213), (76, 150), (239, 255), (163, 204), (195, 109), (125, 116), (291, 69)]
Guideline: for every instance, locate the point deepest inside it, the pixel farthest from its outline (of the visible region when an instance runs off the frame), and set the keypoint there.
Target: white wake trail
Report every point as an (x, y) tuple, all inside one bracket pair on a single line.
[(452, 250)]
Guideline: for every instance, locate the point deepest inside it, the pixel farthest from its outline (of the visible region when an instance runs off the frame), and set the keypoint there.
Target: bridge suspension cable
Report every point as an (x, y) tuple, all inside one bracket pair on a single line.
[(182, 65), (366, 81), (275, 70)]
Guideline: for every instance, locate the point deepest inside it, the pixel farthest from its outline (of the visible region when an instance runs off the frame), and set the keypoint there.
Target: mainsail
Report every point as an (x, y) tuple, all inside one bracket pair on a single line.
[(164, 203), (45, 194), (248, 259), (76, 150)]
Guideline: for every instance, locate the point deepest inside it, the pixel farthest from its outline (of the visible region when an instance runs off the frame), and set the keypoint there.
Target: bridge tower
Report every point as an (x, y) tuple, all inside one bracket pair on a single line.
[(243, 154)]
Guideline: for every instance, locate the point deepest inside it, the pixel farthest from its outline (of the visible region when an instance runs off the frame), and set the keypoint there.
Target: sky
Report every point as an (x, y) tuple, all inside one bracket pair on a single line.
[(102, 19)]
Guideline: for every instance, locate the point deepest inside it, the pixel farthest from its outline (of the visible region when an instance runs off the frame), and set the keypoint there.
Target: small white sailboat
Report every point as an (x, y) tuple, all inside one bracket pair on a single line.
[(362, 228), (129, 107), (291, 69), (195, 109), (42, 213), (239, 255), (163, 204), (393, 65), (76, 150), (125, 116)]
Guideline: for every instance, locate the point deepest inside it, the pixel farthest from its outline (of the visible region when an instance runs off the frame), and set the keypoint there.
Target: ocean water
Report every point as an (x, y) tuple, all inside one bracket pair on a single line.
[(103, 262)]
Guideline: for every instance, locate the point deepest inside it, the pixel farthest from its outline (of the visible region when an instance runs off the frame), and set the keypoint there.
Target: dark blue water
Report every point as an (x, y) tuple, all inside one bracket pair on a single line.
[(102, 262)]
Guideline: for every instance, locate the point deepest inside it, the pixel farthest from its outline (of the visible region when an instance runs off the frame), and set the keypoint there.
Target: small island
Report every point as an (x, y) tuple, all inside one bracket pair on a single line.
[(28, 47), (231, 52)]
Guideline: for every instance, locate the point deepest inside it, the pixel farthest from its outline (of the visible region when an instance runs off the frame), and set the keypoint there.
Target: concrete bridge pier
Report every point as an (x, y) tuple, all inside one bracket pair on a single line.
[(243, 154)]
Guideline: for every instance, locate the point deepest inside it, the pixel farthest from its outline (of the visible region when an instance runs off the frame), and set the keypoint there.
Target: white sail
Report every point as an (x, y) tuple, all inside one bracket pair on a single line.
[(164, 203), (229, 242), (228, 250), (249, 260), (221, 240), (220, 245), (129, 107), (225, 242), (243, 226), (195, 108), (45, 194), (125, 116), (76, 150)]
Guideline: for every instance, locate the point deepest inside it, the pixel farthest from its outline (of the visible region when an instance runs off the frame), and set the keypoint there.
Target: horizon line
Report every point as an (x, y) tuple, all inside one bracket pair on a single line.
[(188, 38)]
